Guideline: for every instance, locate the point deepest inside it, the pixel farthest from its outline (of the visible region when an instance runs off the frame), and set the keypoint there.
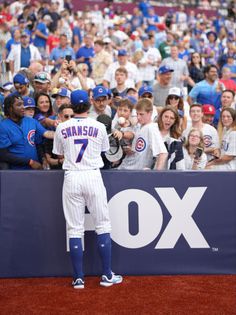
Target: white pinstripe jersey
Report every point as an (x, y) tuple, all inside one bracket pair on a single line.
[(81, 141)]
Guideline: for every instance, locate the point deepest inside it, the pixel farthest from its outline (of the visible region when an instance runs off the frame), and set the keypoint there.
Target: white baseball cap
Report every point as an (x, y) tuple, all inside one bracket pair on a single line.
[(175, 91)]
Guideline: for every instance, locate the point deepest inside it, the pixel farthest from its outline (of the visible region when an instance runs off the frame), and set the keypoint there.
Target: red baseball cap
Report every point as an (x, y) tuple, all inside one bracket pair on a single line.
[(161, 26), (208, 109)]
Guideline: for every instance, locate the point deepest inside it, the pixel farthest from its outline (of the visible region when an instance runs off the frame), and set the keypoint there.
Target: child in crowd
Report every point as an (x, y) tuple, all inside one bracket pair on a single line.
[(148, 149), (122, 127), (29, 106)]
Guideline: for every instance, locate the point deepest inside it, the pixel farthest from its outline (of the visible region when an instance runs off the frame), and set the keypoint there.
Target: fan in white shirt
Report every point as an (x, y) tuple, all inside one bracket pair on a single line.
[(210, 135), (227, 124)]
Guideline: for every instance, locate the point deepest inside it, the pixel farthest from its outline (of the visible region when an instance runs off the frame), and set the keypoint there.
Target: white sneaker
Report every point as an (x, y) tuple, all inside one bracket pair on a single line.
[(115, 279), (78, 284)]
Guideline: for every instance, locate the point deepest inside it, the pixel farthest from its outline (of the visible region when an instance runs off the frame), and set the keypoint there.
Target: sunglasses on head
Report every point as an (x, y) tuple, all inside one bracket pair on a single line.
[(173, 97), (68, 116)]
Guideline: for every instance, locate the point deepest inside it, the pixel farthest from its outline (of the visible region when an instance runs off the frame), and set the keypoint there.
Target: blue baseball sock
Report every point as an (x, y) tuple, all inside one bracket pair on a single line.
[(76, 254), (104, 247)]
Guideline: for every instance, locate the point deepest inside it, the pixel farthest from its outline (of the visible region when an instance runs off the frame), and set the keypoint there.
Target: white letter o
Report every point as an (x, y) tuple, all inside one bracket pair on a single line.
[(149, 214)]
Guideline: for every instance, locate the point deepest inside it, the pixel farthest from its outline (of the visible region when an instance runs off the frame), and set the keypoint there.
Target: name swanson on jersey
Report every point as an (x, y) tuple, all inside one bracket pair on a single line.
[(79, 131)]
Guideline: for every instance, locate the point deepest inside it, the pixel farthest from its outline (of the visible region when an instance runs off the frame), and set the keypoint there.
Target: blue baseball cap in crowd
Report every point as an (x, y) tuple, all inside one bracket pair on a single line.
[(122, 52), (99, 91), (212, 33), (145, 89), (21, 79), (62, 92), (165, 69), (79, 97), (28, 102)]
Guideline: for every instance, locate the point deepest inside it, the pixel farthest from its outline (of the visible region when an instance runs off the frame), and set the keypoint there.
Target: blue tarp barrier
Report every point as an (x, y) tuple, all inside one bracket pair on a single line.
[(163, 223)]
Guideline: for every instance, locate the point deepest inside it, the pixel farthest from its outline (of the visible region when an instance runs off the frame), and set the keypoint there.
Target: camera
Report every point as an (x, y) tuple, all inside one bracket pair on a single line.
[(68, 58), (198, 153)]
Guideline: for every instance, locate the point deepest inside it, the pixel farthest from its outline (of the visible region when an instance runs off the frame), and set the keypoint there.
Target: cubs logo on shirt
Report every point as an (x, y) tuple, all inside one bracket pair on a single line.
[(140, 145), (207, 141), (31, 137), (225, 145)]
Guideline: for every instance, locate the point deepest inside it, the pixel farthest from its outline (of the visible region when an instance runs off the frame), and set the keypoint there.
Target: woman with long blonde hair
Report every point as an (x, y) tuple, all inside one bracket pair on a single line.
[(227, 135)]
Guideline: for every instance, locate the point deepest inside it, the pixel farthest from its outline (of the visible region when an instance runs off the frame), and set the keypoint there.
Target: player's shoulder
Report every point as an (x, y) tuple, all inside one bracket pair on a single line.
[(95, 123), (88, 121)]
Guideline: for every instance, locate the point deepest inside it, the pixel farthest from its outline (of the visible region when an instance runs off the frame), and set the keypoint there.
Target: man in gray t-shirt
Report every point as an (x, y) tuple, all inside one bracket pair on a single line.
[(181, 73), (161, 88)]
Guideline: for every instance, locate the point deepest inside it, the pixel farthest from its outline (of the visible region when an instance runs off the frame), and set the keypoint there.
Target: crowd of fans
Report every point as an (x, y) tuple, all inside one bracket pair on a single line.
[(164, 86)]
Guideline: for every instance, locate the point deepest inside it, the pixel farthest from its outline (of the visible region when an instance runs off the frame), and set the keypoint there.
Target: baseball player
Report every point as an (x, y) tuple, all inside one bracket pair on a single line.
[(81, 140)]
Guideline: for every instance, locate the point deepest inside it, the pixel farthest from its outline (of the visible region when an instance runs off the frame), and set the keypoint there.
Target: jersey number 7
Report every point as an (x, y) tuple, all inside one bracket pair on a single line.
[(84, 143)]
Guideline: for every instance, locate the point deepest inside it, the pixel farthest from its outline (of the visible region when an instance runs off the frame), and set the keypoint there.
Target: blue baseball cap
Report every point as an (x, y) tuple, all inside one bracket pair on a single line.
[(165, 69), (62, 92), (212, 33), (21, 79), (122, 52), (99, 91), (79, 97), (28, 102), (145, 89)]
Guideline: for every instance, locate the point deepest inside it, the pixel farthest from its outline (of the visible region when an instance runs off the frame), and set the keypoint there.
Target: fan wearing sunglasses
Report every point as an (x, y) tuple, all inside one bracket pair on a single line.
[(175, 100)]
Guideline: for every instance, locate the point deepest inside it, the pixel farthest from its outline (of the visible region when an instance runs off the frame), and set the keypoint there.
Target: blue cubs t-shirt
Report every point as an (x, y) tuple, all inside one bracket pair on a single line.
[(20, 139)]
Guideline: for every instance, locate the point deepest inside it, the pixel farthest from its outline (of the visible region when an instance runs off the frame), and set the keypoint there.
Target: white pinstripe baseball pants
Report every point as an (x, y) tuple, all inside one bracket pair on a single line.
[(80, 189)]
